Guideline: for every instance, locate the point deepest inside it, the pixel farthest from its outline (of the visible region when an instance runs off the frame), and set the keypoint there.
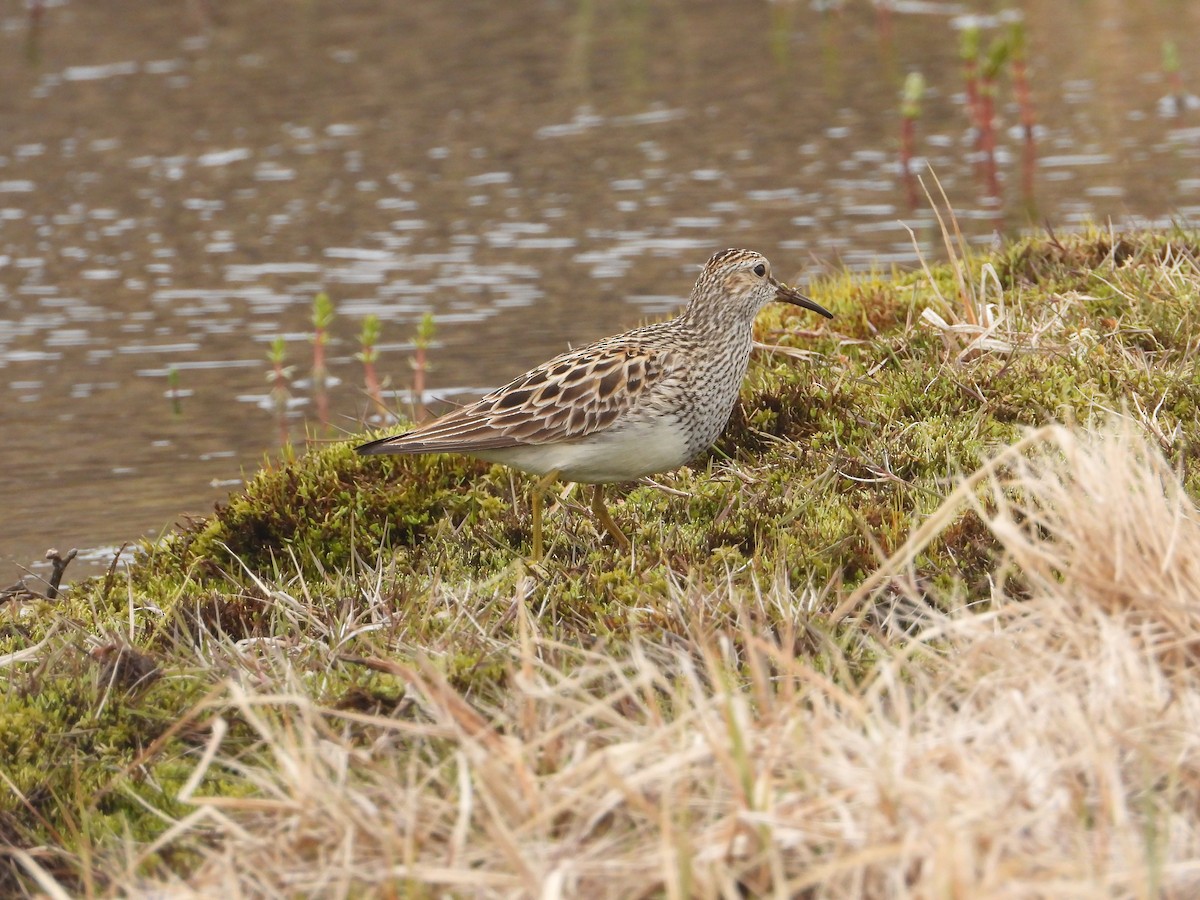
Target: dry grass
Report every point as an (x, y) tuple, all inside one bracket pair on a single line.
[(1044, 746)]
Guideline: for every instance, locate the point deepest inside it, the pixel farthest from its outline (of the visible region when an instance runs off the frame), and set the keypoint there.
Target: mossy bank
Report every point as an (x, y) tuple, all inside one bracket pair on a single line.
[(337, 568)]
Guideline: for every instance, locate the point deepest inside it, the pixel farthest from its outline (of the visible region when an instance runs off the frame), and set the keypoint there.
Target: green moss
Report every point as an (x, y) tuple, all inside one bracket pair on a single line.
[(329, 566)]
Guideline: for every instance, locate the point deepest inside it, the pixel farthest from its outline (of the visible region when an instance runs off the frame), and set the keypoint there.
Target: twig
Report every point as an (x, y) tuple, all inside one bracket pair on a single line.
[(112, 570), (60, 564)]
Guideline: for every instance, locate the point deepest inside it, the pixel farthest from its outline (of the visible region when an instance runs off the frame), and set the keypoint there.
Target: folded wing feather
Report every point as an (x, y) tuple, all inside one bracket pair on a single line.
[(569, 397)]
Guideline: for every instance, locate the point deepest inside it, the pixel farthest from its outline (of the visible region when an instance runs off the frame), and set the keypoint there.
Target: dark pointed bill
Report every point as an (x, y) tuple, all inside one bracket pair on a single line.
[(787, 294)]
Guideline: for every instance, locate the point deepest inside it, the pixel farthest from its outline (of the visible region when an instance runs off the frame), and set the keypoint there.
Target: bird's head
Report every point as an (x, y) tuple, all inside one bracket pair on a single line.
[(741, 280)]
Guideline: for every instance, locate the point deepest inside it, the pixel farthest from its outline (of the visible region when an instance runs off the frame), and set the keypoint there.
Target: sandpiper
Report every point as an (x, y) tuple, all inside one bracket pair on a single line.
[(639, 403)]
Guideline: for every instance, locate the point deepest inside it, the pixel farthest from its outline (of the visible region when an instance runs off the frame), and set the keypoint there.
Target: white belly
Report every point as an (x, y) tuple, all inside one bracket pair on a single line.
[(613, 455)]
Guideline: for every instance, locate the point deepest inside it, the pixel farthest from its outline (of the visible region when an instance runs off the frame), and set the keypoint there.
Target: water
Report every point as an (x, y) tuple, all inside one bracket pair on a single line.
[(176, 185)]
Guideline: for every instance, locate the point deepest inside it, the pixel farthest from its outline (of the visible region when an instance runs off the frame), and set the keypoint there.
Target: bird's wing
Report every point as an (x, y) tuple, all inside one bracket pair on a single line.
[(575, 394)]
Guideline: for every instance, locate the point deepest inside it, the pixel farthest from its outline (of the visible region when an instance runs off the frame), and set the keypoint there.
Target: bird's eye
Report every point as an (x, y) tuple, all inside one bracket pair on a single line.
[(760, 270)]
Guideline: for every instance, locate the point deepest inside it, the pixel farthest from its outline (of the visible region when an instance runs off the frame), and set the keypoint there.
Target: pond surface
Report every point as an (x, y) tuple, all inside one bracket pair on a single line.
[(177, 182)]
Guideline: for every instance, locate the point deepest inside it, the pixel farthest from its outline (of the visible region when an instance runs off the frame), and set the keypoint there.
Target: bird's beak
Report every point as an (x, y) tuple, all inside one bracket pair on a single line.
[(787, 294)]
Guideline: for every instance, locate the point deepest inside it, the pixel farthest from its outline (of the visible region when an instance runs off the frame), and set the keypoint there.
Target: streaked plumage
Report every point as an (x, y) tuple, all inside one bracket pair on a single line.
[(641, 402)]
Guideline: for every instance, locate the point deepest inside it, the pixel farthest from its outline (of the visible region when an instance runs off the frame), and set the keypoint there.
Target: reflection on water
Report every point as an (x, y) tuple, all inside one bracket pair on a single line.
[(177, 184)]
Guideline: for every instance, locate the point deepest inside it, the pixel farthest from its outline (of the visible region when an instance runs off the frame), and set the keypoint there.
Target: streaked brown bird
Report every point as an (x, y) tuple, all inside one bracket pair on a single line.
[(639, 403)]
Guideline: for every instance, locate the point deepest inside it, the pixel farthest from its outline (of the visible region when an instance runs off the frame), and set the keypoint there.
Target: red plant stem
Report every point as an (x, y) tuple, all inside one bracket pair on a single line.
[(319, 355), (372, 381), (987, 135), (418, 385), (971, 77), (319, 374), (883, 21), (374, 390), (1175, 81), (1028, 165), (279, 392), (322, 404), (37, 12), (1028, 121), (279, 385), (1024, 99), (907, 141)]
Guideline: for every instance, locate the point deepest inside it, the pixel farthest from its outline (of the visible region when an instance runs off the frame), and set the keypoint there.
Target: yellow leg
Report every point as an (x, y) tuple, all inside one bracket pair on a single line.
[(606, 520), (539, 490)]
